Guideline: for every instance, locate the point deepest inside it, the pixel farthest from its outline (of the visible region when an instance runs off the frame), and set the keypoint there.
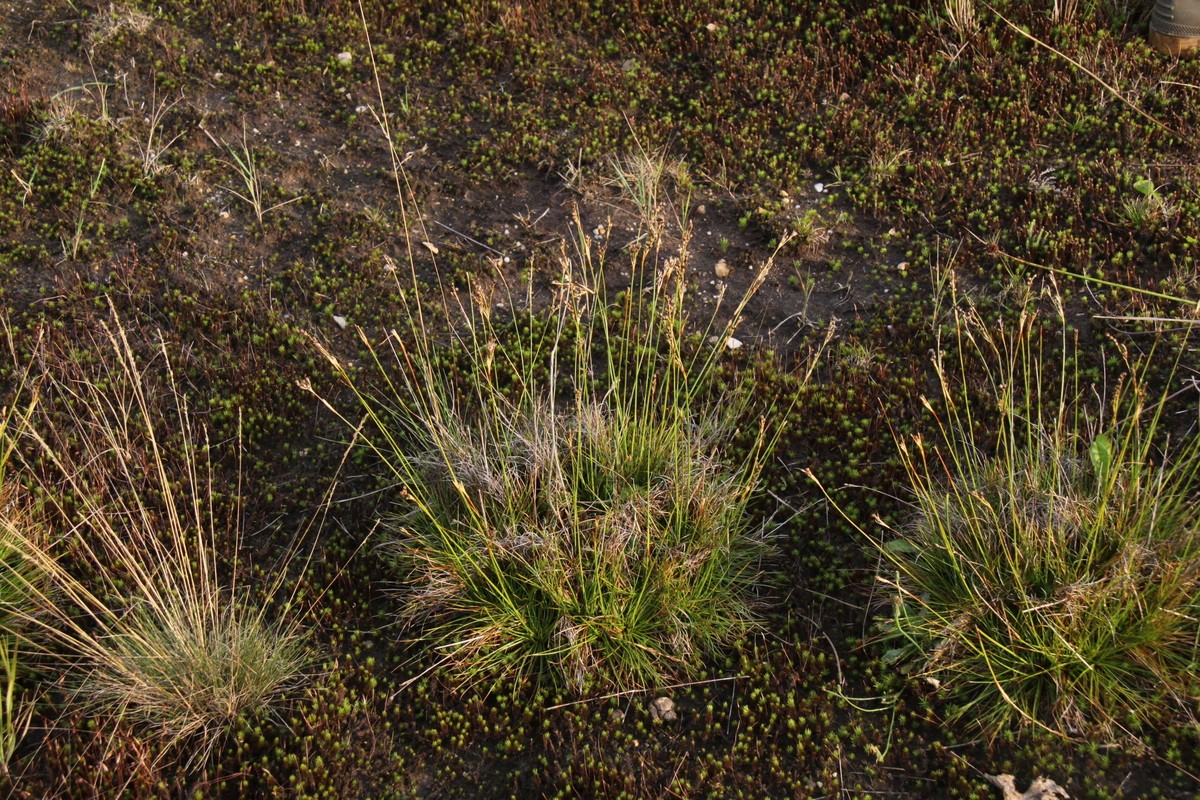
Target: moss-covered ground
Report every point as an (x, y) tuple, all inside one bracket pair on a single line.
[(895, 147)]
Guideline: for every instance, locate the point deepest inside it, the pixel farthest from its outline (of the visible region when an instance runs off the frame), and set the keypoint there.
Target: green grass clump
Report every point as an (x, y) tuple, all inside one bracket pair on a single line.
[(598, 541), (568, 512), (1050, 574)]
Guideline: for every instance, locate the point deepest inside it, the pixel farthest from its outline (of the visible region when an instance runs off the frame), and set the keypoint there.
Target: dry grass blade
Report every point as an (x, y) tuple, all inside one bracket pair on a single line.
[(1064, 12), (135, 597), (245, 164), (960, 14)]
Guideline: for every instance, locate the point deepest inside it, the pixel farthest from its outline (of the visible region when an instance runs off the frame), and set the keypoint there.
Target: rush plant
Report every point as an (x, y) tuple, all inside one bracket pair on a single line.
[(566, 509), (1049, 571)]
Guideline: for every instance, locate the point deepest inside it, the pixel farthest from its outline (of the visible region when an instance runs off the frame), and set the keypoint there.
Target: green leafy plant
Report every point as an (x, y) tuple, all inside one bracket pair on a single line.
[(567, 512), (1049, 573), (1148, 208), (138, 604)]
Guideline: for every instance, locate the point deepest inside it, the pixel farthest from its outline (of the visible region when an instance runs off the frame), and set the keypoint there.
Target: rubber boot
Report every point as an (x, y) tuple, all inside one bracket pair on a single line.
[(1175, 26)]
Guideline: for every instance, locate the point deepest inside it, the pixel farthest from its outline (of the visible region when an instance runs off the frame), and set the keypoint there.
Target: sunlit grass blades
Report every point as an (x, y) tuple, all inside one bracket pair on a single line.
[(20, 582), (568, 510), (140, 606), (585, 543), (1049, 574)]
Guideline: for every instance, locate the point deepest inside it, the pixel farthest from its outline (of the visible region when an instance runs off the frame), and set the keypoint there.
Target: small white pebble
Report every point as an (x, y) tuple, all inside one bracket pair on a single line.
[(731, 342), (345, 57)]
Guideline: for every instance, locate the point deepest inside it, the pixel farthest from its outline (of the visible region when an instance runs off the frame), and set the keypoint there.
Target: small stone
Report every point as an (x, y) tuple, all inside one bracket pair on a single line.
[(712, 27), (721, 270), (731, 342), (341, 321), (902, 266), (702, 210), (345, 57), (819, 188), (843, 97), (663, 708)]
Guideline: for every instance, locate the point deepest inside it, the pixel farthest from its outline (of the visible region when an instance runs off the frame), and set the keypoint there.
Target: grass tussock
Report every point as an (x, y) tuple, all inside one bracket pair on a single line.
[(568, 509), (135, 599), (1050, 573), (590, 542)]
